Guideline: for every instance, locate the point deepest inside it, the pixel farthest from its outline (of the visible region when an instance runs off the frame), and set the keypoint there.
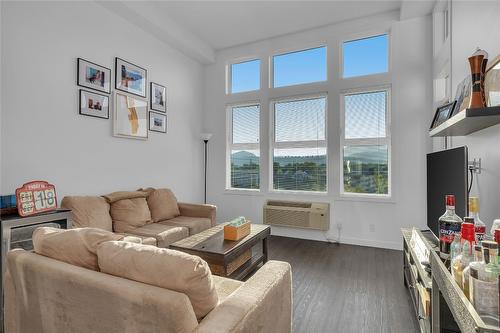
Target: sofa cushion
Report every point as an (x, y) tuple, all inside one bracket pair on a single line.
[(143, 239), (164, 234), (129, 210), (73, 246), (164, 268), (194, 224), (89, 212), (225, 286), (162, 204)]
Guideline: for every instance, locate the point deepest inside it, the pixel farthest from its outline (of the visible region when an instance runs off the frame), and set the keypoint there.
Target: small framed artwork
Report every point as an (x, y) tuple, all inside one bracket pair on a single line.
[(158, 97), (94, 104), (462, 96), (93, 76), (492, 83), (157, 122), (130, 118), (443, 113), (130, 78)]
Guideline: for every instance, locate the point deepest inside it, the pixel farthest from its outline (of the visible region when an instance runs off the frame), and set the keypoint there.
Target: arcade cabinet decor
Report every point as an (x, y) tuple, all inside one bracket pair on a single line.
[(36, 197)]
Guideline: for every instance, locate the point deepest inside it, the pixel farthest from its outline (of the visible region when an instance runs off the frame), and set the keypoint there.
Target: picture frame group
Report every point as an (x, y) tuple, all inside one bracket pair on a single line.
[(133, 116)]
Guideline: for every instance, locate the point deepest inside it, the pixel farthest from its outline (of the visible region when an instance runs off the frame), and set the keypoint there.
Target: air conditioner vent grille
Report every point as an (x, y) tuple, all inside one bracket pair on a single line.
[(309, 215)]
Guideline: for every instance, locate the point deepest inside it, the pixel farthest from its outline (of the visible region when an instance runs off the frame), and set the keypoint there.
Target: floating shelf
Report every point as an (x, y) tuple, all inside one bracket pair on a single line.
[(468, 122)]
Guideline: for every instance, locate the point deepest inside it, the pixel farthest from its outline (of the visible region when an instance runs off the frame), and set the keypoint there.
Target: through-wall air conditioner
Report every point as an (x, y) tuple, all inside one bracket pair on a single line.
[(295, 214)]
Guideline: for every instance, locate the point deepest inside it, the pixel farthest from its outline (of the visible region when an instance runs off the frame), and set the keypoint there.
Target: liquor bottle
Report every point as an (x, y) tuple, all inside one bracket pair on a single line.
[(496, 225), (478, 261), (479, 226), (449, 226), (455, 247), (459, 263)]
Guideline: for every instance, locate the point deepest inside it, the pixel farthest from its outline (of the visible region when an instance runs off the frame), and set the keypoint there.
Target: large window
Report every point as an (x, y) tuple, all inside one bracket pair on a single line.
[(366, 56), (245, 76), (299, 151), (299, 67), (366, 143), (243, 147)]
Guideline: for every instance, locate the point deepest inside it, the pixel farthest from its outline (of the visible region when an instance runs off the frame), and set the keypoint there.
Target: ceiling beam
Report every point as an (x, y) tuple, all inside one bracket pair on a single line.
[(147, 16)]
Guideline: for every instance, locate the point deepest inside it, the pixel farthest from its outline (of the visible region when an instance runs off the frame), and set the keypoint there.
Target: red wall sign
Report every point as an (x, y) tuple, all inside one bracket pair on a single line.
[(36, 197)]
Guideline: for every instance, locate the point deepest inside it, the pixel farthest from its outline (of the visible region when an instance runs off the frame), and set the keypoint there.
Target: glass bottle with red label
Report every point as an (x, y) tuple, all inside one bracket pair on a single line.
[(479, 226), (449, 226)]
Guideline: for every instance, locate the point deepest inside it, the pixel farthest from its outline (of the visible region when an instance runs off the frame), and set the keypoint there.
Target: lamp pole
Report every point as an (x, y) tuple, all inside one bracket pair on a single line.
[(206, 144)]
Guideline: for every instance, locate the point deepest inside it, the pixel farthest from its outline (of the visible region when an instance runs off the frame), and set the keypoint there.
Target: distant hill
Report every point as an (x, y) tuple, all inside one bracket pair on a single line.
[(359, 154)]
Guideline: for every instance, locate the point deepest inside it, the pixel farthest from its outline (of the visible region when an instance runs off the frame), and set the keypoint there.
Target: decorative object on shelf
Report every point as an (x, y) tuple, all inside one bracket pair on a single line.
[(462, 96), (237, 229), (477, 64), (158, 97), (93, 76), (443, 113), (492, 83), (157, 122), (130, 78), (205, 137), (8, 204), (36, 197), (130, 118), (93, 104)]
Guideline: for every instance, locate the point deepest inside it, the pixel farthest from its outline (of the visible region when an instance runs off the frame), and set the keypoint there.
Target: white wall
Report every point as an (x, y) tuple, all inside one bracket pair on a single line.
[(411, 78), (43, 136), (484, 144)]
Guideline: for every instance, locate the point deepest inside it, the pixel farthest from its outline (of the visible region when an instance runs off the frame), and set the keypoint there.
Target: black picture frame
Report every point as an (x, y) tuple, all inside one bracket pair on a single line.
[(443, 113), (118, 85), (151, 97), (152, 125), (87, 114), (81, 83)]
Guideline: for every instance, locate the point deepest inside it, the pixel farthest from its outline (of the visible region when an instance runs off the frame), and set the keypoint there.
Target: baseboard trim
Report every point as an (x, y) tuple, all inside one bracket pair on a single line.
[(322, 237)]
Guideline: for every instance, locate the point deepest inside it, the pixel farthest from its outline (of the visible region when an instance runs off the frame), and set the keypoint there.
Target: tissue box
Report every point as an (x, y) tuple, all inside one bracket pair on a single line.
[(238, 232)]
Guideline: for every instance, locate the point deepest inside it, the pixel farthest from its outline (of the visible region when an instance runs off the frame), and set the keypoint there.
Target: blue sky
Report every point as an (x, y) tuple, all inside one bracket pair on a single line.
[(305, 120)]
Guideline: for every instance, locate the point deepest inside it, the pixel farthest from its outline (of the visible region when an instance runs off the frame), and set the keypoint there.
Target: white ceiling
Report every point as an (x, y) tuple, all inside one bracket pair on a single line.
[(223, 24)]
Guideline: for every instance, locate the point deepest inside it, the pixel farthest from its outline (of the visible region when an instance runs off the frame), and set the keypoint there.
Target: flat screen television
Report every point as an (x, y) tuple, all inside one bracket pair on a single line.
[(446, 174)]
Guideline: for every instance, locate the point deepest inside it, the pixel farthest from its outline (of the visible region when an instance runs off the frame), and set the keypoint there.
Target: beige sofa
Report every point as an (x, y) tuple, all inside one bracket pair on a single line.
[(154, 215), (47, 295)]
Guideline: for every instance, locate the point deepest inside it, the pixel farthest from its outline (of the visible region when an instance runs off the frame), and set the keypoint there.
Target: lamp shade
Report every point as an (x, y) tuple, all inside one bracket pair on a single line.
[(205, 136)]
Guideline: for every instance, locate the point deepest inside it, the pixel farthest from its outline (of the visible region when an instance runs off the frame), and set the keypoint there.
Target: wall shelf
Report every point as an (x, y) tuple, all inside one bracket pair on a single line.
[(468, 122)]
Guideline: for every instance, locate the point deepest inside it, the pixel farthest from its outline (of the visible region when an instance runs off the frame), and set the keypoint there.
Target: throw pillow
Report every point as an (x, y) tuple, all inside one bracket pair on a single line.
[(162, 204), (163, 268), (129, 210), (73, 246), (89, 212)]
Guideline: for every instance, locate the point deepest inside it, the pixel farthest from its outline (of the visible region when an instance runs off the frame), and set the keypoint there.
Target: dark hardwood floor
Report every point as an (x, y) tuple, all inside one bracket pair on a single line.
[(345, 288)]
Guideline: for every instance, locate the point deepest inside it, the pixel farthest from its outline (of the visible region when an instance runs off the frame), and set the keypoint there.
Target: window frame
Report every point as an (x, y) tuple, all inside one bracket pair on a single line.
[(387, 140), (241, 146), (229, 74), (295, 144), (284, 51), (361, 36)]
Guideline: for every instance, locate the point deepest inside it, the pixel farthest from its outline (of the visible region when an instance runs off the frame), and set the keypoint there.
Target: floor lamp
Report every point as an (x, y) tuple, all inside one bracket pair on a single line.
[(205, 137)]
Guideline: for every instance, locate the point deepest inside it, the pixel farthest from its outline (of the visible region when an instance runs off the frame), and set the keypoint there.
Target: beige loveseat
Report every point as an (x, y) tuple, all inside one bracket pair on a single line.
[(154, 215), (126, 293)]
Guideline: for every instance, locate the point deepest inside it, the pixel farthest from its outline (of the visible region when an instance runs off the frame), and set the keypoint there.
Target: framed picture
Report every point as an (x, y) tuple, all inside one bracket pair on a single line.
[(93, 76), (130, 78), (158, 97), (492, 83), (462, 96), (94, 104), (157, 122), (130, 117), (443, 113)]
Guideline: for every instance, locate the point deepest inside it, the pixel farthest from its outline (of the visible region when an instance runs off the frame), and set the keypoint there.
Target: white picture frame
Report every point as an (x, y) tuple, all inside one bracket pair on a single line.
[(130, 117)]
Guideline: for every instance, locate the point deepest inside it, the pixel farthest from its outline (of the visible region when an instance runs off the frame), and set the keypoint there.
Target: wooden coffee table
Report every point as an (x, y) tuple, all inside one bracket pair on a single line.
[(232, 259)]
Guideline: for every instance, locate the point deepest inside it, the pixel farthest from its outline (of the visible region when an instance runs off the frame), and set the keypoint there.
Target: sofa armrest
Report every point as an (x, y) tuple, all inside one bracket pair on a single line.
[(262, 304), (197, 210)]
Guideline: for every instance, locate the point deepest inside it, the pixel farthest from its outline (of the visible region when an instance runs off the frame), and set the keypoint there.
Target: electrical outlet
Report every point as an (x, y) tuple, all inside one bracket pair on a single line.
[(371, 227)]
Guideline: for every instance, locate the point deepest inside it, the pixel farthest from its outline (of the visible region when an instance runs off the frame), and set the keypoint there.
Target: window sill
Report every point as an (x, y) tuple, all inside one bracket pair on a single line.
[(388, 199), (236, 191), (304, 193)]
